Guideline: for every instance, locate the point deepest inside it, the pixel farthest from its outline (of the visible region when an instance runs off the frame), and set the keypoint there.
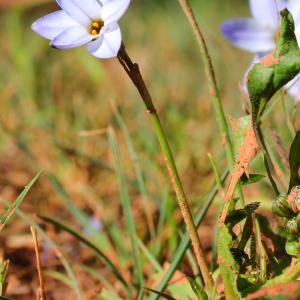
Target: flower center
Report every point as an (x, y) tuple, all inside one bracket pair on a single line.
[(96, 27)]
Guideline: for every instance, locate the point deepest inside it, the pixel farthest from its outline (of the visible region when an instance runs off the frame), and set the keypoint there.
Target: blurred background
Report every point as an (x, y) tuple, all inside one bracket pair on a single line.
[(55, 108)]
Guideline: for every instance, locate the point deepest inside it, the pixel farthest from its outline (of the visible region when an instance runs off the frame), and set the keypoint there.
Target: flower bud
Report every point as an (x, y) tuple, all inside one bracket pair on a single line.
[(292, 248), (294, 199), (281, 207), (292, 226)]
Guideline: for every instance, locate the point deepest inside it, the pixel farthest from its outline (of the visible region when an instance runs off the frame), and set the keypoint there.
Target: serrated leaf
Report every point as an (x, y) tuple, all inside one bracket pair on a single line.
[(294, 160), (228, 267), (275, 70), (238, 215)]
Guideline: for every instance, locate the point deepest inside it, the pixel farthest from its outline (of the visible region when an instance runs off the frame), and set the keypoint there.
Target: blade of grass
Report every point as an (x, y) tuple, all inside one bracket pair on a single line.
[(90, 245), (59, 277), (126, 203), (160, 294), (288, 120), (185, 242), (54, 246), (138, 171), (149, 256), (261, 251), (79, 215), (217, 175), (12, 209), (4, 265), (99, 277)]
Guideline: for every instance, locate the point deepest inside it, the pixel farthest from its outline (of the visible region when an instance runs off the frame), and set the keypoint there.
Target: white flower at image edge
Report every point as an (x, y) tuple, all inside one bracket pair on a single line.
[(93, 23), (258, 34)]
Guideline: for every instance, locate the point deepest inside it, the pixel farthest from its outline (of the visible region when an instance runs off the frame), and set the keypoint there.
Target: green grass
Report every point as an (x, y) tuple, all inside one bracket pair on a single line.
[(51, 99)]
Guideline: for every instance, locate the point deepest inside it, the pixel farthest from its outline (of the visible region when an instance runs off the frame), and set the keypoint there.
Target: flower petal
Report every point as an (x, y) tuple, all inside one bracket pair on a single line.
[(53, 24), (266, 12), (75, 12), (113, 10), (108, 45), (294, 7), (249, 35), (91, 8), (72, 37), (293, 88)]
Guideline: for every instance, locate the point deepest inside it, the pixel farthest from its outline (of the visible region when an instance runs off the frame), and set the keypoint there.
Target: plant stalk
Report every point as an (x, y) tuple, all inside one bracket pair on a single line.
[(132, 69), (211, 78)]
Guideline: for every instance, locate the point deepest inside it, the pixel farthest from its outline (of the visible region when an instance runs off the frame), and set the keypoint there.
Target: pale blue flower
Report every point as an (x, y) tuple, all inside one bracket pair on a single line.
[(93, 23), (258, 34)]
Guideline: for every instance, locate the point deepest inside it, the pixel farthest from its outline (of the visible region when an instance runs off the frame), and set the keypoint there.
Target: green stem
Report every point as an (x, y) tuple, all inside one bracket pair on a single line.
[(134, 73), (213, 86), (185, 242), (211, 78), (267, 159)]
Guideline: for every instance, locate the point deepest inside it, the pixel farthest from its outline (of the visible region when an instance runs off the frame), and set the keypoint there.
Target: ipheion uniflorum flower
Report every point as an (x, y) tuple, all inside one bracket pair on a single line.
[(258, 34), (93, 23)]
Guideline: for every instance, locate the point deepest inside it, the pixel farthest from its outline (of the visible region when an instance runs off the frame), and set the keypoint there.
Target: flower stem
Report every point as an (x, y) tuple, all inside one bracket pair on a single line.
[(213, 86), (211, 78), (134, 73)]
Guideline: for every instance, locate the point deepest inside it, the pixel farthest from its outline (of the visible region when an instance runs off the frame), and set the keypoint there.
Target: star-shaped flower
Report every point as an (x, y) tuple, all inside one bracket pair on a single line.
[(258, 34), (93, 23)]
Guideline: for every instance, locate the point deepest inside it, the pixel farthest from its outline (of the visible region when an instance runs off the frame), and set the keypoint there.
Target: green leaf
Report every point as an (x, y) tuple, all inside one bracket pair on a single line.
[(11, 210), (59, 276), (185, 242), (127, 208), (276, 70), (89, 244), (160, 294), (62, 257), (100, 239), (294, 160), (138, 171), (228, 266), (253, 178), (4, 264), (238, 215), (198, 290), (108, 295)]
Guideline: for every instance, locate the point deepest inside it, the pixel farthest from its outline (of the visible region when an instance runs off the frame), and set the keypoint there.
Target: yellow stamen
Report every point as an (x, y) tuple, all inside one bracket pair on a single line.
[(94, 32), (96, 27)]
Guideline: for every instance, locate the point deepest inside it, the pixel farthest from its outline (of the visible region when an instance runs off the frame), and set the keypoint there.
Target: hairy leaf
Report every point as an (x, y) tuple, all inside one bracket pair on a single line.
[(275, 70), (228, 266), (238, 215)]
